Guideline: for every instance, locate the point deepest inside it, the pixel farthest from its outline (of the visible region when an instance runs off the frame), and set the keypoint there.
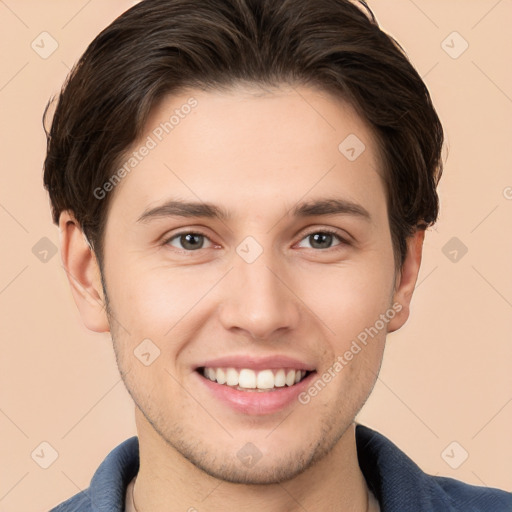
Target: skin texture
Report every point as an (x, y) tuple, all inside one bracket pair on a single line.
[(256, 154)]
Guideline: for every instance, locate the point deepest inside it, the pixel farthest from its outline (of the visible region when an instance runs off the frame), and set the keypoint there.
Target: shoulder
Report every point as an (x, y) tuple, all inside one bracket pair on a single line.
[(400, 485), (108, 486), (471, 498)]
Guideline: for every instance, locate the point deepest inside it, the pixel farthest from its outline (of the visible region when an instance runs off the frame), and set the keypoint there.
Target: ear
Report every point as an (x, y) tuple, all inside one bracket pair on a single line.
[(406, 279), (83, 273)]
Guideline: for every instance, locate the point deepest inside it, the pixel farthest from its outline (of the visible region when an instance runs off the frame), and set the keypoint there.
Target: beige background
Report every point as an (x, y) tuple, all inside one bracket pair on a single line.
[(446, 375)]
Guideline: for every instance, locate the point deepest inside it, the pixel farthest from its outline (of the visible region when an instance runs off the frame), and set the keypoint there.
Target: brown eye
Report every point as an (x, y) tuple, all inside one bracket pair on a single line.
[(323, 239), (188, 241)]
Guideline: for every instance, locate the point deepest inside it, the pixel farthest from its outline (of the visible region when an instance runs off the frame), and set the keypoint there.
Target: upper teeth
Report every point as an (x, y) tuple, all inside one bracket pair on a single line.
[(247, 378)]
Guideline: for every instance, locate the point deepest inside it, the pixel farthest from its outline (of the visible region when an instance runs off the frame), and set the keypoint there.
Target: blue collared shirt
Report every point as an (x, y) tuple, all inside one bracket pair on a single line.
[(396, 481)]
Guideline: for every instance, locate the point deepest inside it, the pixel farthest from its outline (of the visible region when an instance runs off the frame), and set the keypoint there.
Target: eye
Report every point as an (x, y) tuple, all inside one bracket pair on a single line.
[(189, 241), (322, 239)]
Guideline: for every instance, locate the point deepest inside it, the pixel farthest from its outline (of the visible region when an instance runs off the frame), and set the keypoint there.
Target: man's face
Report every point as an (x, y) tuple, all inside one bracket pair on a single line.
[(260, 283)]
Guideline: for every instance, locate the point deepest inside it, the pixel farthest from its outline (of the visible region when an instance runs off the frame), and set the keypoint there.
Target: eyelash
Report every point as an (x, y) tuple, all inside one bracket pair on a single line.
[(343, 241)]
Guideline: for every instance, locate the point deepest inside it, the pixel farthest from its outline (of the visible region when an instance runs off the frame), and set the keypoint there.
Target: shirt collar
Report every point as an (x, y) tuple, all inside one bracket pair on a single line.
[(395, 480)]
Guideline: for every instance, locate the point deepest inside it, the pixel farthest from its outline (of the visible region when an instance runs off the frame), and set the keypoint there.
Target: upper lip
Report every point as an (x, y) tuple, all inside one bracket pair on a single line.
[(256, 363)]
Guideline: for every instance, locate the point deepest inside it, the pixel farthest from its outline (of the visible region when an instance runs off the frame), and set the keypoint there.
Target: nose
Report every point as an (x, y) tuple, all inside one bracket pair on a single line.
[(259, 299)]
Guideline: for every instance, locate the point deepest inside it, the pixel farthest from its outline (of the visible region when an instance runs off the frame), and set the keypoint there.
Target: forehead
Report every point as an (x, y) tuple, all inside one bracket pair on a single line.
[(249, 149)]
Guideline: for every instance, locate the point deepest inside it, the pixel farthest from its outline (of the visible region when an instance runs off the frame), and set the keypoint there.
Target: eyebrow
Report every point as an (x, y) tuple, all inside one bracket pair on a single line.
[(312, 208)]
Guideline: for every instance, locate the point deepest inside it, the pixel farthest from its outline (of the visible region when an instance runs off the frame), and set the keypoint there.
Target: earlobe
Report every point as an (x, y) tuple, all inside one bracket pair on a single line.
[(83, 273), (406, 280)]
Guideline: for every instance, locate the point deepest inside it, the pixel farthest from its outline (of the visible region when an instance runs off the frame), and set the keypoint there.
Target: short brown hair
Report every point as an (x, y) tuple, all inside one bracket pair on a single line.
[(160, 47)]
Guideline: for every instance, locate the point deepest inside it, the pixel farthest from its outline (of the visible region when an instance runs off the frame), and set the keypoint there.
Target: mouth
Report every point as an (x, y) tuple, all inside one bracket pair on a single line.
[(249, 380)]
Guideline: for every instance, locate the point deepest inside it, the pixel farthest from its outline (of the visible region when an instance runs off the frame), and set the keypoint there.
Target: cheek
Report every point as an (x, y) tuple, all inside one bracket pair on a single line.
[(154, 299), (348, 300)]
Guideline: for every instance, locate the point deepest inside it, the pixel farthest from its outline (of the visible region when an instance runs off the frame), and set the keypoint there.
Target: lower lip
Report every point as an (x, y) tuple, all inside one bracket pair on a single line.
[(256, 402)]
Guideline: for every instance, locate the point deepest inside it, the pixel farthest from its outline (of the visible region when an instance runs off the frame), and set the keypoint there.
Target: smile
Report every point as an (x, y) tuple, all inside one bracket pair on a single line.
[(254, 392), (246, 379)]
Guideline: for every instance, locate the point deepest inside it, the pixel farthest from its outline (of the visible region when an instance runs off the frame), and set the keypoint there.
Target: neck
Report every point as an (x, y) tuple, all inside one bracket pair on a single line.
[(168, 482)]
